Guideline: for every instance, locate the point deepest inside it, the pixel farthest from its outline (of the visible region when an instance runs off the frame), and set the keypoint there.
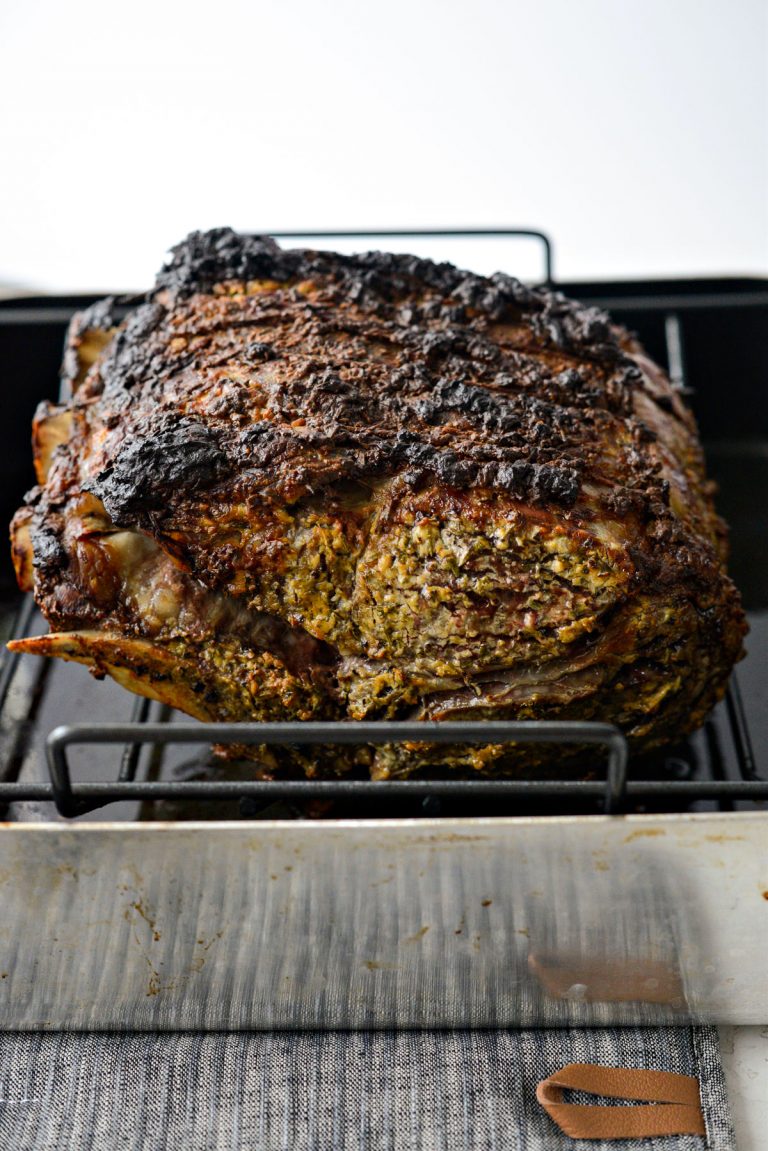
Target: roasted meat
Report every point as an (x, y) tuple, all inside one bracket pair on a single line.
[(299, 485)]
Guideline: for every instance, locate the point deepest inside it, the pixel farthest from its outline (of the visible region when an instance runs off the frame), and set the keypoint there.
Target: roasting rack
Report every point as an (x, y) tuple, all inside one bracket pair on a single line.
[(614, 793), (735, 781)]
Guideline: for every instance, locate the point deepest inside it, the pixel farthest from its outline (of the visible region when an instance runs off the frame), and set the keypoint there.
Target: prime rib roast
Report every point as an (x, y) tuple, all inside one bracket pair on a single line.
[(296, 485)]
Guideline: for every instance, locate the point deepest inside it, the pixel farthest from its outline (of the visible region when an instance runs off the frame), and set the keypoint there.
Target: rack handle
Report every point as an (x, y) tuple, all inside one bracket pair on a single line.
[(417, 233)]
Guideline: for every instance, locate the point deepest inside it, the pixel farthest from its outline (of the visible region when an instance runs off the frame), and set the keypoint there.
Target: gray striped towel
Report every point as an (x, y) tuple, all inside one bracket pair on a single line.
[(328, 1091)]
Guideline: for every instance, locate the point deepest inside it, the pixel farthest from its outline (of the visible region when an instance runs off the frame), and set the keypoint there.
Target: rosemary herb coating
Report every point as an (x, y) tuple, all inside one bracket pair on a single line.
[(299, 485)]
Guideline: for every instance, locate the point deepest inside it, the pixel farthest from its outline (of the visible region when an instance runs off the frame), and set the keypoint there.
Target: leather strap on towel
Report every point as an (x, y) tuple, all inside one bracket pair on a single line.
[(670, 1102)]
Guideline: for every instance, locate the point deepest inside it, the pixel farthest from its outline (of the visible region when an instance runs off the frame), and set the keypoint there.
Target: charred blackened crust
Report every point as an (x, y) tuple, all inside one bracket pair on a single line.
[(165, 454), (405, 366), (373, 279)]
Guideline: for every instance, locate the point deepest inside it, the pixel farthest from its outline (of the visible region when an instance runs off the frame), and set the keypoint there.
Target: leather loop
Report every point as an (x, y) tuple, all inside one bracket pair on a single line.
[(670, 1102)]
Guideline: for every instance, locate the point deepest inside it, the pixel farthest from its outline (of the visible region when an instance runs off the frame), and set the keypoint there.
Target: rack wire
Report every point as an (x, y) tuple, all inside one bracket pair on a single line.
[(615, 793)]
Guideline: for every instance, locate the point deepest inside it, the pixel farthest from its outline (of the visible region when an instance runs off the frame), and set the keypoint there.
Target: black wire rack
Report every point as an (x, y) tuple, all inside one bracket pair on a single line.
[(613, 792), (541, 238)]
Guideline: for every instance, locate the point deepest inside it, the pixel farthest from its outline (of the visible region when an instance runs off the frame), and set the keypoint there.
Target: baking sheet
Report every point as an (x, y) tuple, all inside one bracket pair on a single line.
[(411, 923)]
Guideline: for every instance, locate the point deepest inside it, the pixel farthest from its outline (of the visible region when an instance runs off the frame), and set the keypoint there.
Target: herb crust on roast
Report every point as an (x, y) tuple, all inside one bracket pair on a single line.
[(299, 485)]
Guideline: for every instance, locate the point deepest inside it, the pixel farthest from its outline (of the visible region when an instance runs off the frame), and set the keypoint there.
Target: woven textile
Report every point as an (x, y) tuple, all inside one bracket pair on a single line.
[(327, 1091)]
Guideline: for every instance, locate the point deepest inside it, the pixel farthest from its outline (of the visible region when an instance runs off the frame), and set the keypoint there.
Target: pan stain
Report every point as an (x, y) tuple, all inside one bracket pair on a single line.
[(644, 833), (765, 896), (486, 902), (134, 908), (156, 984), (3, 974), (209, 943), (376, 965), (138, 878), (447, 837), (150, 922), (417, 935), (725, 838)]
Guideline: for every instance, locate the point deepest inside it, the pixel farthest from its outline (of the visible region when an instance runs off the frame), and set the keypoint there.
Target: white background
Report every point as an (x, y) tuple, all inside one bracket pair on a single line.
[(634, 131)]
